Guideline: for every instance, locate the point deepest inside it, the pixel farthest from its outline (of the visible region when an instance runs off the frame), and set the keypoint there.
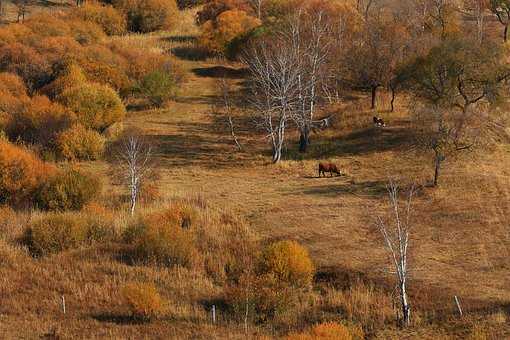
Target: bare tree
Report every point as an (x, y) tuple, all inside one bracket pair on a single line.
[(135, 157), (477, 9), (257, 7), (274, 79), (396, 235), (501, 8), (224, 88)]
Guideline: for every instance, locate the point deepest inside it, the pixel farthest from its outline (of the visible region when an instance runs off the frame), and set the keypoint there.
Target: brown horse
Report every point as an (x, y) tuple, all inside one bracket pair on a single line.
[(328, 167)]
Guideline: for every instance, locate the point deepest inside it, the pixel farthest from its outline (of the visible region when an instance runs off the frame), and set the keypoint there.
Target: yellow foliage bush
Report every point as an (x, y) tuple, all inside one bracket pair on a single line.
[(80, 143), (159, 238), (329, 331), (289, 262), (112, 22), (96, 106), (143, 300), (21, 173), (217, 35)]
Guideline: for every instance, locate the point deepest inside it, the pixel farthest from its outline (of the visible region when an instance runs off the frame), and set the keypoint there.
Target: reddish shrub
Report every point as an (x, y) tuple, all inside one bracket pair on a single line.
[(143, 300)]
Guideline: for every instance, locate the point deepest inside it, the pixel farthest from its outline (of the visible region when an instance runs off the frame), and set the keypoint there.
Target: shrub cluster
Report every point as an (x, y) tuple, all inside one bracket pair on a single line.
[(21, 173), (143, 300), (148, 15), (107, 17), (55, 232), (330, 331), (80, 143), (70, 190)]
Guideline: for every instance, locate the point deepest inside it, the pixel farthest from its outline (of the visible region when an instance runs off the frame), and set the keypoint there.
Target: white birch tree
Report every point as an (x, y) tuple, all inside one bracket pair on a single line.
[(396, 236)]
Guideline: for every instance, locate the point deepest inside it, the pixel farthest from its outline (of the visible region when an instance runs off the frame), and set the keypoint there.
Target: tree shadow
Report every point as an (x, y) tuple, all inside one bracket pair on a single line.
[(374, 189), (221, 72), (180, 38), (191, 53), (119, 319)]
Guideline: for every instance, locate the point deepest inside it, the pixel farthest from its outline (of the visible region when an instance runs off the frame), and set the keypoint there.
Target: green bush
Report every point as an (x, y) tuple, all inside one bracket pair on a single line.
[(157, 87), (70, 190)]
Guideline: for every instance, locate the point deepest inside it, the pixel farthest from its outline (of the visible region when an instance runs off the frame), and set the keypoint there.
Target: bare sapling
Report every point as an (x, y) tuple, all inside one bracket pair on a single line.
[(396, 235)]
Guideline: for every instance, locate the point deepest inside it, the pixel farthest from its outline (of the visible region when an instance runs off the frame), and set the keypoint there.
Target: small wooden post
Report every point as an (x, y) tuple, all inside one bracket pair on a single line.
[(213, 311), (63, 304), (458, 305)]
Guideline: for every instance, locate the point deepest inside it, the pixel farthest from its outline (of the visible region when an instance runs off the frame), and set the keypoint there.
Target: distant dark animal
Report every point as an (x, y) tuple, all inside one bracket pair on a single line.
[(328, 167), (379, 122)]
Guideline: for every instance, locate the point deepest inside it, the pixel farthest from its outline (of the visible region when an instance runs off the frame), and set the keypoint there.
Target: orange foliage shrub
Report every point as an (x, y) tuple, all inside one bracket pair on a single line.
[(14, 33), (21, 173), (217, 35), (96, 106), (143, 300), (149, 15), (289, 262), (80, 143), (214, 8), (13, 94), (40, 121), (112, 22), (26, 62), (329, 331)]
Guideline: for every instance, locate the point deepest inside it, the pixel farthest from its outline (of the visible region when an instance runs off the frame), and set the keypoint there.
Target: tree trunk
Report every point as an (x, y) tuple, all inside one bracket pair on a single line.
[(393, 95), (374, 95), (304, 140), (406, 309), (437, 168), (505, 34)]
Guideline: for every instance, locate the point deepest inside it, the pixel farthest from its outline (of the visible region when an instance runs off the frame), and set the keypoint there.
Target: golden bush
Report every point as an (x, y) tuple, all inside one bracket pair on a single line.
[(289, 262), (112, 22), (143, 300), (96, 106), (80, 143), (329, 331)]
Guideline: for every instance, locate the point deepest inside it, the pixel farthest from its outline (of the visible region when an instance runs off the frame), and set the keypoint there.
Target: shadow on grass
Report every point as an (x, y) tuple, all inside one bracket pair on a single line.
[(191, 53), (180, 38), (119, 319), (374, 189), (221, 72)]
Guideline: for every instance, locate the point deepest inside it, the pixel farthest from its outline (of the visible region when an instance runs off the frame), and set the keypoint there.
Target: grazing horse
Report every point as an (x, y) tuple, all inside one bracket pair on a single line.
[(379, 122), (328, 167)]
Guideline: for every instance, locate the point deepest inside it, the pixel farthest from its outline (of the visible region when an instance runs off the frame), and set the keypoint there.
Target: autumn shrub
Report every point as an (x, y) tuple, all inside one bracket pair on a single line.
[(142, 300), (228, 27), (69, 190), (39, 122), (212, 9), (80, 143), (86, 32), (289, 262), (13, 94), (59, 231), (183, 4), (149, 193), (96, 106), (157, 87), (149, 15), (71, 75), (160, 239), (55, 232), (26, 62), (111, 21), (330, 331), (21, 173)]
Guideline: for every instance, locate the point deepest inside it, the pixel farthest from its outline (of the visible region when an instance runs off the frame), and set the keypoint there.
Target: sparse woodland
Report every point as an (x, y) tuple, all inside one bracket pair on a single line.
[(159, 169)]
